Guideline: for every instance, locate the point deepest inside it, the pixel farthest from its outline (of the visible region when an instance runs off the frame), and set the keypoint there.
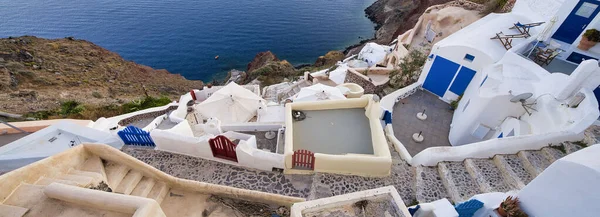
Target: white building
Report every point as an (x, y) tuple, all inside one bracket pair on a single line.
[(492, 76)]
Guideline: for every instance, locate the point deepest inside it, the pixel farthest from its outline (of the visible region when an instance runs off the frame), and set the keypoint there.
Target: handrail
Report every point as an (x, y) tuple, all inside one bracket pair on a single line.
[(12, 126)]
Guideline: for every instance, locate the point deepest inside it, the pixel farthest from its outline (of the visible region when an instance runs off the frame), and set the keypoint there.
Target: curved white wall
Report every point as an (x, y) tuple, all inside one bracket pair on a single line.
[(489, 148)]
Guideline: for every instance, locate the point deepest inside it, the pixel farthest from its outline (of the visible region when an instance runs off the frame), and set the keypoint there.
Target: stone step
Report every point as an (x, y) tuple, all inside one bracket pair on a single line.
[(429, 185), (46, 181), (534, 161), (159, 191), (12, 211), (96, 177), (25, 196), (129, 182), (115, 174), (512, 167), (458, 182), (553, 154), (144, 187), (488, 176), (82, 181), (94, 164), (571, 147)]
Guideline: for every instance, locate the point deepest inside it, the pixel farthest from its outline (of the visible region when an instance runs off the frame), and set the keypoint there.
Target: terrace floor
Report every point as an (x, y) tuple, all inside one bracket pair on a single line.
[(261, 140), (435, 128), (335, 131)]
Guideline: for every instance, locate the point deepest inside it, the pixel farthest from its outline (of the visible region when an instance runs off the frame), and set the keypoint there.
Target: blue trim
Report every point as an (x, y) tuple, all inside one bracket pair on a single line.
[(501, 135), (483, 81), (387, 117), (462, 80), (469, 57)]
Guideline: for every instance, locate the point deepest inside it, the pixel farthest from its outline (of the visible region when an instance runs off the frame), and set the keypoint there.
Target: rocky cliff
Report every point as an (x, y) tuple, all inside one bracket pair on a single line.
[(38, 74), (394, 17)]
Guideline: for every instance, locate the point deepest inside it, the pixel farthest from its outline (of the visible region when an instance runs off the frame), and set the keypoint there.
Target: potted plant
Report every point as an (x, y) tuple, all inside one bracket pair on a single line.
[(510, 208), (589, 39)]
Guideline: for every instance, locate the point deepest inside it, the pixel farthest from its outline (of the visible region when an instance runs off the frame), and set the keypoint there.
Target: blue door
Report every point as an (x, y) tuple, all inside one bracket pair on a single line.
[(462, 80), (577, 21), (440, 75)]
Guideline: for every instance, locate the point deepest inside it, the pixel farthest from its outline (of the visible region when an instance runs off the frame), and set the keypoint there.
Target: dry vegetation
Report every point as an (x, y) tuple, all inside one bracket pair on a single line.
[(40, 75)]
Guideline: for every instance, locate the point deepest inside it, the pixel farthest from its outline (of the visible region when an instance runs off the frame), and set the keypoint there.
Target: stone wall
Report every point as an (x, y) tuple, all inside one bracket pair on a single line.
[(148, 115), (370, 88)]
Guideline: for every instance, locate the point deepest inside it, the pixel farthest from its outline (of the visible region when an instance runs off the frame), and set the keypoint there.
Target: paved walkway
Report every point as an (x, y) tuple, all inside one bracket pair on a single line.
[(306, 186), (435, 128), (202, 170)]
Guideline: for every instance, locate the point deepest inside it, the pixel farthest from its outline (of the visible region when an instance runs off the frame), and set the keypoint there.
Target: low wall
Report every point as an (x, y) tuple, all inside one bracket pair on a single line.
[(398, 146), (186, 144), (383, 193), (154, 124), (33, 126), (145, 114), (388, 101), (251, 126), (370, 88), (490, 148), (378, 164)]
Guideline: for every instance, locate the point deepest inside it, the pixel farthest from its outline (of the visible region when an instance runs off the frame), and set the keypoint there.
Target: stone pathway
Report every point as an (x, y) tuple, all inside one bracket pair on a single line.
[(198, 169), (456, 180), (315, 186)]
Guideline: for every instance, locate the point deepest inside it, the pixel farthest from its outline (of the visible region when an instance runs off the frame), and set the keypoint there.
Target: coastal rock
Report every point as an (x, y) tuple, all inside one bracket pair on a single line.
[(393, 17), (260, 60), (268, 69), (330, 59), (236, 76)]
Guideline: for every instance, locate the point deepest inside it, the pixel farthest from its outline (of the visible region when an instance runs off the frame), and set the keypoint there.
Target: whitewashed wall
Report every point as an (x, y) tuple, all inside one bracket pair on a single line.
[(157, 121), (180, 140), (489, 148), (568, 187)]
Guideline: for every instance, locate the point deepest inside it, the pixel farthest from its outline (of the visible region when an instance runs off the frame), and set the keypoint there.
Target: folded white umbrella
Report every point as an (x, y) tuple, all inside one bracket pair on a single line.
[(231, 104), (318, 92)]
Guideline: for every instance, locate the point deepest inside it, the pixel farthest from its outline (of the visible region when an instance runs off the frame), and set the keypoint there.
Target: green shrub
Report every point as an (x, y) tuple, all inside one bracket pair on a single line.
[(409, 66), (147, 102), (70, 107), (454, 103), (592, 35), (493, 6), (97, 95)]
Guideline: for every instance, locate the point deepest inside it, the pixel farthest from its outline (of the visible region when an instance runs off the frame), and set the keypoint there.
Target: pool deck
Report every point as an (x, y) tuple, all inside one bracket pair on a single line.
[(336, 131), (435, 128)]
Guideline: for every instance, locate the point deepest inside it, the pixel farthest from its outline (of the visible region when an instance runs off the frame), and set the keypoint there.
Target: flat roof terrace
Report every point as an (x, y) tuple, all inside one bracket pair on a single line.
[(435, 128), (334, 131)]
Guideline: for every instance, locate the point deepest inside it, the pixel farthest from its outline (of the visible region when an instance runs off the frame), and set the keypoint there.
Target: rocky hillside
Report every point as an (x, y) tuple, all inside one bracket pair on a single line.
[(394, 17), (38, 74), (266, 69)]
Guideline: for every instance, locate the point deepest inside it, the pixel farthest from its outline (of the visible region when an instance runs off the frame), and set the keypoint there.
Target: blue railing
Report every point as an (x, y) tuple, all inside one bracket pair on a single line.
[(135, 136)]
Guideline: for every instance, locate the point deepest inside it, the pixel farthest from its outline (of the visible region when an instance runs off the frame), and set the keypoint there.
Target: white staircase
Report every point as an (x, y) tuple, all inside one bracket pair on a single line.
[(459, 181), (30, 199)]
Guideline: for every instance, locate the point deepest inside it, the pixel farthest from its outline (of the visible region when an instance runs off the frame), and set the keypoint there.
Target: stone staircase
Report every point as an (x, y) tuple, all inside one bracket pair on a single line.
[(95, 186), (458, 181), (293, 90), (29, 199)]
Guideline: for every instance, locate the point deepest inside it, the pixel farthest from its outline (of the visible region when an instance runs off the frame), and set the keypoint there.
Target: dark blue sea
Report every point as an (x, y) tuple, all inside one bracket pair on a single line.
[(184, 36)]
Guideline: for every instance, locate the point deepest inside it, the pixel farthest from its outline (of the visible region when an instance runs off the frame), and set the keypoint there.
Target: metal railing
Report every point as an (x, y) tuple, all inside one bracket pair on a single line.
[(12, 126)]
